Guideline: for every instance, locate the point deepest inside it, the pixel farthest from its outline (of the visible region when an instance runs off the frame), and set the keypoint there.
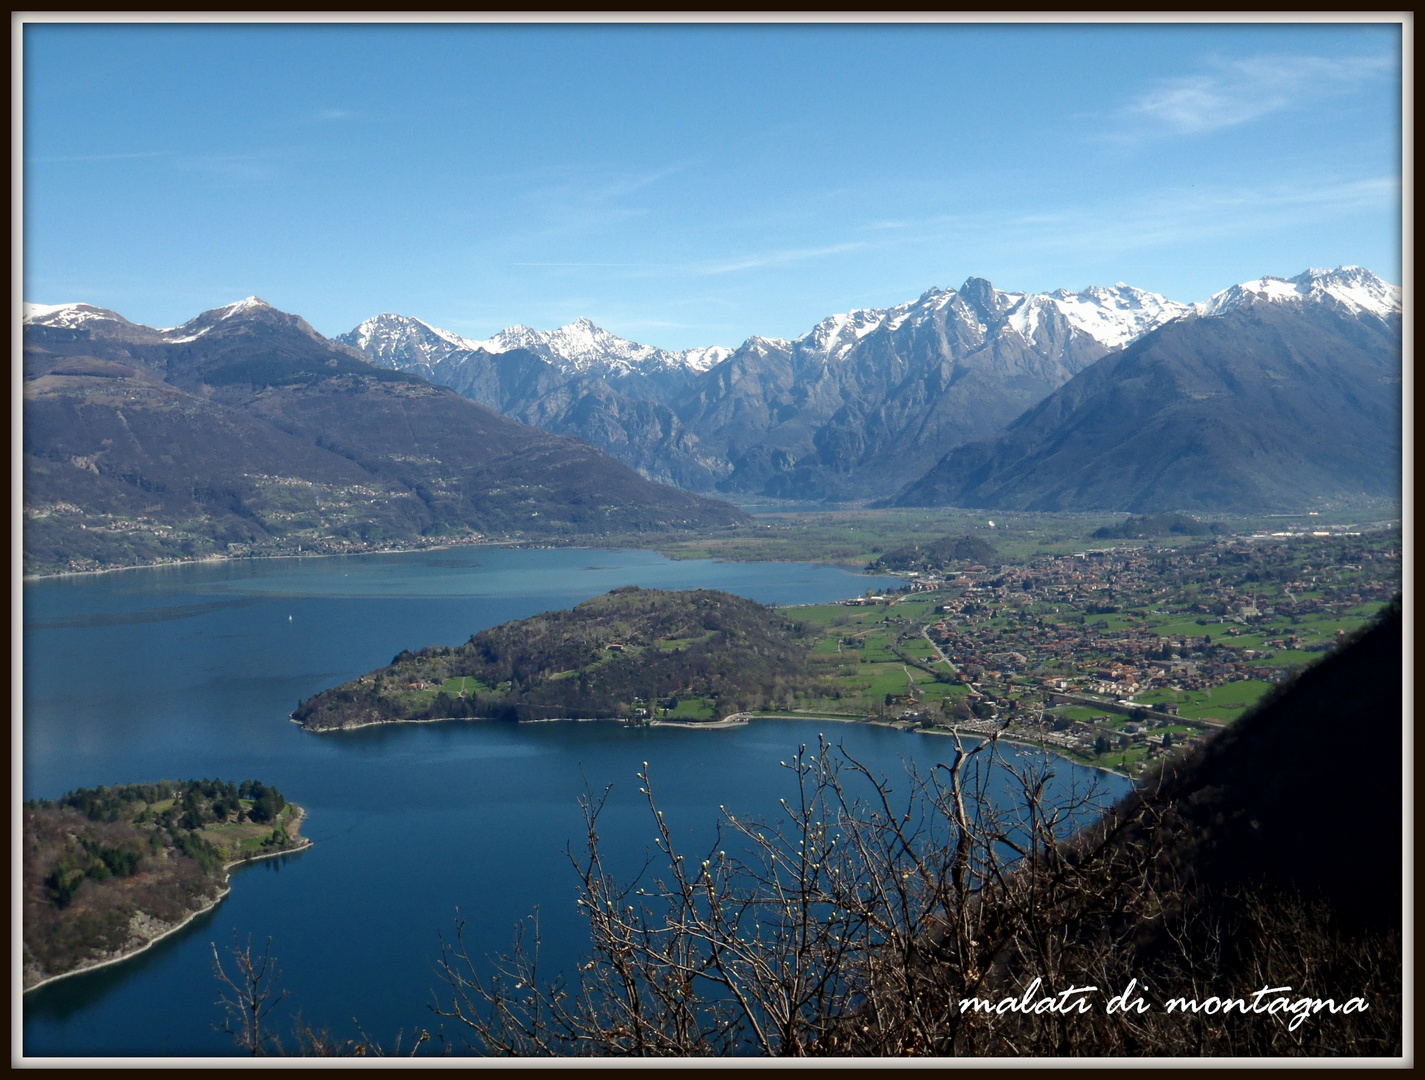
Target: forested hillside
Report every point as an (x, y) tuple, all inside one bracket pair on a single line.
[(623, 654)]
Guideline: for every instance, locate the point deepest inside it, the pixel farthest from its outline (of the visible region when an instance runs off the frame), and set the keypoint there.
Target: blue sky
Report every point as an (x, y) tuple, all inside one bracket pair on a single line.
[(693, 185)]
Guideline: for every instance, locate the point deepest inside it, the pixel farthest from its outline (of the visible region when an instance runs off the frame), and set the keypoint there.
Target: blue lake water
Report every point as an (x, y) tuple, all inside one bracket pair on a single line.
[(191, 672)]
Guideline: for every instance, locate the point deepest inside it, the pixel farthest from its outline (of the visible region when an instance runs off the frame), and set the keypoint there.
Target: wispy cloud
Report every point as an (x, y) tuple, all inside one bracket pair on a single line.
[(584, 201), (228, 166), (333, 114), (1234, 92), (1168, 219), (55, 158), (710, 267), (779, 258), (627, 185), (590, 186), (600, 265), (1172, 217)]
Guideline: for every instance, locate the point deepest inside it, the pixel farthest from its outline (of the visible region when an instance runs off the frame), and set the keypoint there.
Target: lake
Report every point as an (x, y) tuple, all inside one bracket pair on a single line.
[(191, 671)]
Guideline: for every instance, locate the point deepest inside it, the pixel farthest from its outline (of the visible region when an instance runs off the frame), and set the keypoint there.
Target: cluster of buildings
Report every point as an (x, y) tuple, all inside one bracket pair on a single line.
[(1052, 628)]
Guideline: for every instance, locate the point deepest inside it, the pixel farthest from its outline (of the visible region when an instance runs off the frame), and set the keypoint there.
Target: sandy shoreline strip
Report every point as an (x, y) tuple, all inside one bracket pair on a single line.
[(209, 906)]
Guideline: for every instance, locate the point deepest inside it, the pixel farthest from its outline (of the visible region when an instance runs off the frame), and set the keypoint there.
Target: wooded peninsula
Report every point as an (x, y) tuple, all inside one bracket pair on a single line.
[(618, 655), (110, 870)]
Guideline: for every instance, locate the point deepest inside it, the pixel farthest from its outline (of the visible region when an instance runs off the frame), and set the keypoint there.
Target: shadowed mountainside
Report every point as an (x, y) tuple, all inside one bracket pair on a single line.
[(1267, 406), (246, 431)]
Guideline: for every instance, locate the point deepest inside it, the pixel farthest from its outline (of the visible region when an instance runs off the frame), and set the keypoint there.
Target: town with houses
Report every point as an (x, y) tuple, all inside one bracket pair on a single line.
[(1116, 654)]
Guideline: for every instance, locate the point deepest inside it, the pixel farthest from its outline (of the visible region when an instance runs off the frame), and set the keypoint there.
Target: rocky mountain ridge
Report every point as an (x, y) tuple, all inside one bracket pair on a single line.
[(1276, 395), (855, 408), (840, 412)]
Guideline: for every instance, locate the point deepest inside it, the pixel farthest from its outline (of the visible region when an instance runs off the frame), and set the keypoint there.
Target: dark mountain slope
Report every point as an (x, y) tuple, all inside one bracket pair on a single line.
[(245, 430), (1271, 857), (1304, 794), (523, 386), (1267, 406)]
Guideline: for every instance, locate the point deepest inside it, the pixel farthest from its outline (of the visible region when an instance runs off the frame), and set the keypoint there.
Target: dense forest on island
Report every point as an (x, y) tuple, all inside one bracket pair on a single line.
[(624, 654), (1146, 526)]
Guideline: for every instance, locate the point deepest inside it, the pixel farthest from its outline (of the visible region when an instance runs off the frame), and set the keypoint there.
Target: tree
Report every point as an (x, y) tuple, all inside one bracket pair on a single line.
[(249, 995), (846, 925), (264, 807), (872, 925)]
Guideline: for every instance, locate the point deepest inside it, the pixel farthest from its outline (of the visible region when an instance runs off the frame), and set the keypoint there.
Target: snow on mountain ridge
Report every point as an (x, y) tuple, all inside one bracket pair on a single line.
[(198, 326), (77, 315), (703, 359), (1112, 316), (399, 340), (836, 335), (582, 346), (1117, 315), (1354, 287), (70, 316)]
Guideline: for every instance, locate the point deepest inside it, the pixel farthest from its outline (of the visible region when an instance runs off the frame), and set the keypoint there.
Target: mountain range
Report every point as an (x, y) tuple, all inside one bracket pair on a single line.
[(859, 407), (844, 411), (246, 431), (1273, 395)]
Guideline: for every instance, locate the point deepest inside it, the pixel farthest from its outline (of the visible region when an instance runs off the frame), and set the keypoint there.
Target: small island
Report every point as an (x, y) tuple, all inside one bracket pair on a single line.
[(110, 870), (631, 654)]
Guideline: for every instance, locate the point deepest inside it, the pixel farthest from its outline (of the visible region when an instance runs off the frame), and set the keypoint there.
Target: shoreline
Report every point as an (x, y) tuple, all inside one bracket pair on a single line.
[(591, 543), (198, 560), (734, 721), (209, 906)]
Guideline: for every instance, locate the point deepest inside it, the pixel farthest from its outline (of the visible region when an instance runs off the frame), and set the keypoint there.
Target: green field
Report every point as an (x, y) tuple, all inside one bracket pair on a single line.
[(856, 537), (1221, 703), (464, 685), (691, 709), (237, 840)]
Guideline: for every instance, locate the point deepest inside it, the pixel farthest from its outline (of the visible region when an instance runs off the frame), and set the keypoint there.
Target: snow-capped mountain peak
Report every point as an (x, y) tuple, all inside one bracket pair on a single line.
[(580, 346), (197, 327), (250, 303), (88, 316), (1112, 316), (97, 322), (1116, 315), (837, 335), (1353, 287), (402, 341), (703, 359), (70, 316)]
